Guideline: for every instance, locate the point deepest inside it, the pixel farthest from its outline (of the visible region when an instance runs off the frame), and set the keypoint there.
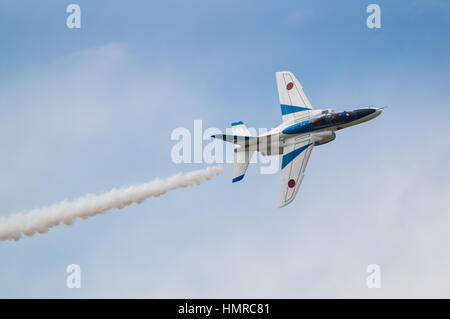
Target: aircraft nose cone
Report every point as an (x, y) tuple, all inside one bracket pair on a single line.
[(377, 111)]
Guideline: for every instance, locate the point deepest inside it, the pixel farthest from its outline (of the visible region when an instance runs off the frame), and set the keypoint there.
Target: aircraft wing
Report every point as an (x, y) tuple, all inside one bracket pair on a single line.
[(293, 167), (293, 100)]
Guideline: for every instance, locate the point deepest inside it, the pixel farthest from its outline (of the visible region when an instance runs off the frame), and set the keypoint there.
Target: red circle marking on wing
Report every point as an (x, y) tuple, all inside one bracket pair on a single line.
[(289, 86), (291, 183)]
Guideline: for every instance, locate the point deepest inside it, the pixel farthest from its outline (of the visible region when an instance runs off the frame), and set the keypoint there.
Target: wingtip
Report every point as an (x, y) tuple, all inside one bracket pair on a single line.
[(283, 204), (237, 179)]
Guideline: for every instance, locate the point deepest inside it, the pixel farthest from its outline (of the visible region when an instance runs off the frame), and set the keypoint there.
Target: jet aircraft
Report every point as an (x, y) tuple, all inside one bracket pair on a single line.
[(302, 128)]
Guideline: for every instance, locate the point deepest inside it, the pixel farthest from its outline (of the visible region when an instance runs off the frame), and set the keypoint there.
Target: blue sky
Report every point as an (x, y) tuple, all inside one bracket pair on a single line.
[(91, 109)]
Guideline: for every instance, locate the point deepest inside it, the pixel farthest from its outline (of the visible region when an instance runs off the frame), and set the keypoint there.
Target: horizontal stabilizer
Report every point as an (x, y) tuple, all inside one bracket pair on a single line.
[(241, 161)]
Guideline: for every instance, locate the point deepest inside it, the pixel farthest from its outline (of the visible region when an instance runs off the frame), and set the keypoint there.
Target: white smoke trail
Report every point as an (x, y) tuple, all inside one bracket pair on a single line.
[(40, 220)]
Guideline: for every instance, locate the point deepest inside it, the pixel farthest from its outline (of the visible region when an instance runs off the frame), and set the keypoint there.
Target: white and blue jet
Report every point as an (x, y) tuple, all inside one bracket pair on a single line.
[(303, 128)]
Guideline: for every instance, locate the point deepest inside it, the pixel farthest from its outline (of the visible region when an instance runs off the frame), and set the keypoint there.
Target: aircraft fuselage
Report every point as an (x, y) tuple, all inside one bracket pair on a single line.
[(332, 121), (320, 127)]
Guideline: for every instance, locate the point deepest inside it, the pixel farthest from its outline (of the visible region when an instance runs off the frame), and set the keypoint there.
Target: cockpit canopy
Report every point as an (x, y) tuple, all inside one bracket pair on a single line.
[(327, 111), (332, 119)]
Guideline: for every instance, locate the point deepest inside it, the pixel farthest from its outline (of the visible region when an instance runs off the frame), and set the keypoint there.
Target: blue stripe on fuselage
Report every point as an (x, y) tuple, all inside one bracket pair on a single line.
[(302, 127)]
